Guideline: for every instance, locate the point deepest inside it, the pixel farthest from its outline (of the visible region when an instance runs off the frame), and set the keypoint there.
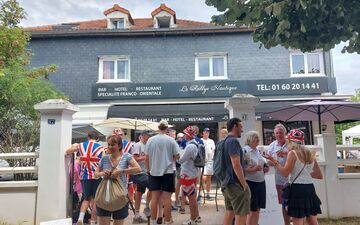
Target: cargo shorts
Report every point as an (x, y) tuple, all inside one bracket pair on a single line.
[(236, 199)]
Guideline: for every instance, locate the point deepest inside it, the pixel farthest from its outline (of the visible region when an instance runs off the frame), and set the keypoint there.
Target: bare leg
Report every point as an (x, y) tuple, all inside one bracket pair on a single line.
[(177, 189), (240, 220), (299, 221), (118, 222), (285, 216), (194, 211), (253, 218), (155, 197), (312, 220), (93, 210), (167, 205), (103, 220), (161, 206), (138, 201), (84, 205), (228, 217), (208, 183)]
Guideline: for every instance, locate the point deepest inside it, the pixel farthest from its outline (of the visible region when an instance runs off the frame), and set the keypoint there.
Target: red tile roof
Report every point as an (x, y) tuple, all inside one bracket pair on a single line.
[(139, 24), (163, 7), (116, 7)]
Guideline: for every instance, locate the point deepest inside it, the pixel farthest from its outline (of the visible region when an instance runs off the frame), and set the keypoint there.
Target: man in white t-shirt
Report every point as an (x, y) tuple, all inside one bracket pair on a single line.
[(161, 151), (209, 155), (278, 149)]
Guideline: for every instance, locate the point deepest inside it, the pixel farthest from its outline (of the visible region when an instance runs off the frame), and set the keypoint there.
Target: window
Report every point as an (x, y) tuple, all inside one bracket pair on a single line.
[(210, 66), (164, 21), (114, 69), (306, 64), (117, 23)]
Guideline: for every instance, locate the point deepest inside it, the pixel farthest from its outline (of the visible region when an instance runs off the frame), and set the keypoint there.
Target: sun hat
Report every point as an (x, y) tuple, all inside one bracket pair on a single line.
[(296, 135)]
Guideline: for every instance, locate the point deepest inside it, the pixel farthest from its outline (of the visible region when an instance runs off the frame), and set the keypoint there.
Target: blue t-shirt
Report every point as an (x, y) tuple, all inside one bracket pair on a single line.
[(124, 163), (232, 147)]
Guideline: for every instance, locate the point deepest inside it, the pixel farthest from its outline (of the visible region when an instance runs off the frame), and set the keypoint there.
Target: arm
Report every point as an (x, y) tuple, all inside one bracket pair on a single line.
[(176, 151), (147, 163), (187, 155), (289, 165), (99, 172), (253, 169), (235, 161), (132, 169), (139, 158), (72, 149), (316, 173)]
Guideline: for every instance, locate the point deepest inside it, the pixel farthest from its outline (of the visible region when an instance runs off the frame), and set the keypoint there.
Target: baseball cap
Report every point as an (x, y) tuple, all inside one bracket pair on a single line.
[(118, 131), (163, 123), (147, 132), (297, 136), (206, 129), (190, 131), (180, 135)]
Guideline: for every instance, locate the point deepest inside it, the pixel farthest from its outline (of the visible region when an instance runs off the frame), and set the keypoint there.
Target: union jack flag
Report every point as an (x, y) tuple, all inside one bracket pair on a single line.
[(90, 155), (127, 145)]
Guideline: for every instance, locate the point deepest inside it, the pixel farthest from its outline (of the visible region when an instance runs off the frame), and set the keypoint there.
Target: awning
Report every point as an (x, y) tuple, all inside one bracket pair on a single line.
[(174, 113), (79, 133)]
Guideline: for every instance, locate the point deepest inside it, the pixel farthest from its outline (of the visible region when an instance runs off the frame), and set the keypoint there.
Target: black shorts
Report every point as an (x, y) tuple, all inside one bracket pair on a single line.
[(258, 195), (142, 179), (162, 183), (89, 187), (117, 215)]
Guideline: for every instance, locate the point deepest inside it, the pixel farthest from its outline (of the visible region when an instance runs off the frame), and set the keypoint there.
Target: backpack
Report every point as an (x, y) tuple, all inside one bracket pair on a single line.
[(199, 160), (219, 161)]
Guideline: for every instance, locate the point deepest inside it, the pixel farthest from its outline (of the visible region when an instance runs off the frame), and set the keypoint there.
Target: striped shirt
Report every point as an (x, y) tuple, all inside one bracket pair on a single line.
[(124, 163)]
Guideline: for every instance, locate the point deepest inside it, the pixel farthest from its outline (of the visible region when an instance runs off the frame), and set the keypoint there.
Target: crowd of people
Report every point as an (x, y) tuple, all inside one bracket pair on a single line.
[(164, 163)]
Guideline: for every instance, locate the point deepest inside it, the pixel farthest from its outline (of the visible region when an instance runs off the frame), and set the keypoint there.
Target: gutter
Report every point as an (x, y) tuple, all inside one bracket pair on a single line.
[(145, 32)]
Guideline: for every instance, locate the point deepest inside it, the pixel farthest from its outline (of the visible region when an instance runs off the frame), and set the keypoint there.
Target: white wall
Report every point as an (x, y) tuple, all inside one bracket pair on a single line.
[(18, 205)]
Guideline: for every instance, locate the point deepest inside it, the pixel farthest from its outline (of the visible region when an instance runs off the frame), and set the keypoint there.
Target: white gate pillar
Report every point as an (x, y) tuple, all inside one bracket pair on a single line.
[(55, 137), (334, 199), (242, 106)]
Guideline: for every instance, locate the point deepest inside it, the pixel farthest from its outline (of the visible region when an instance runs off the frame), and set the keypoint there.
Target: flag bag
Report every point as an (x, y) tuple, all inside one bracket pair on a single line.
[(111, 195)]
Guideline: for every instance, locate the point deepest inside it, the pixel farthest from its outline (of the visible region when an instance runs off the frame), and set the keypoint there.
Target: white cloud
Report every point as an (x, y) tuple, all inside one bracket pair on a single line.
[(347, 70), (45, 12)]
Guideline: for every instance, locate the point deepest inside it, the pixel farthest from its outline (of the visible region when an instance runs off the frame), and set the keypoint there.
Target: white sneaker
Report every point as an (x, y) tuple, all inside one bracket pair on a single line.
[(80, 222), (189, 222)]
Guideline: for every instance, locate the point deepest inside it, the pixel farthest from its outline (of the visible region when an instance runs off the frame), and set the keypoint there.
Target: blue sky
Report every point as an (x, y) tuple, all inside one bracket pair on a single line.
[(44, 12)]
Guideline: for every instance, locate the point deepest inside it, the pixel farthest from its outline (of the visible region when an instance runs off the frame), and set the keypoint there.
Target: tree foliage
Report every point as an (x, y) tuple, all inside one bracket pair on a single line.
[(21, 87), (356, 96), (300, 24)]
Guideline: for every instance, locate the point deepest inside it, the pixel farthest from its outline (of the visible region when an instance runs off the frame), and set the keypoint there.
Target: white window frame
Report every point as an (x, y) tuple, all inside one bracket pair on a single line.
[(210, 56), (117, 23), (307, 74), (115, 59)]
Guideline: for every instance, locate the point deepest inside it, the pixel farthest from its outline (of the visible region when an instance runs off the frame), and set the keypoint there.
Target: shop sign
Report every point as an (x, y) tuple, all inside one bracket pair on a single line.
[(223, 88)]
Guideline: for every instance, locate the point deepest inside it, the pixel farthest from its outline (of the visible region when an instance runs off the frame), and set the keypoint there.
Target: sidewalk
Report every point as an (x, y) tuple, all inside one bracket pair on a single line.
[(208, 212)]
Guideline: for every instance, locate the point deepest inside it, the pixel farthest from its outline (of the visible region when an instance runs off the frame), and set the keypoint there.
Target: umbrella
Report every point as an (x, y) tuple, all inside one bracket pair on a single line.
[(318, 110), (79, 133), (127, 123)]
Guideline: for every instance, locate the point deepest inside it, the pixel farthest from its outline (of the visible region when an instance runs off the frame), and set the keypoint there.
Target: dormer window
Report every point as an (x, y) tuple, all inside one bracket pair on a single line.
[(164, 17), (118, 23), (164, 21), (118, 18)]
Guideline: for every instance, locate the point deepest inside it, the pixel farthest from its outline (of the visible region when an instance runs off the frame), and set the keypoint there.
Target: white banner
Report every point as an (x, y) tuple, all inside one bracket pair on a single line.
[(273, 210)]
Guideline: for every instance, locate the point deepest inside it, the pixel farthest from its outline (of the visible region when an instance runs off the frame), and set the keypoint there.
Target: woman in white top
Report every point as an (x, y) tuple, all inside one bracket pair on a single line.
[(303, 201), (255, 169)]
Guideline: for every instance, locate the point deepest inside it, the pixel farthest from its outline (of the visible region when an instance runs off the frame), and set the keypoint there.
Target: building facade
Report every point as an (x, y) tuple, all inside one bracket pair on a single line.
[(181, 70)]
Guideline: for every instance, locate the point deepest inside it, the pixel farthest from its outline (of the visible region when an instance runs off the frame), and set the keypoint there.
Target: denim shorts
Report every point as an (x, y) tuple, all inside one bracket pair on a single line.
[(116, 215)]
